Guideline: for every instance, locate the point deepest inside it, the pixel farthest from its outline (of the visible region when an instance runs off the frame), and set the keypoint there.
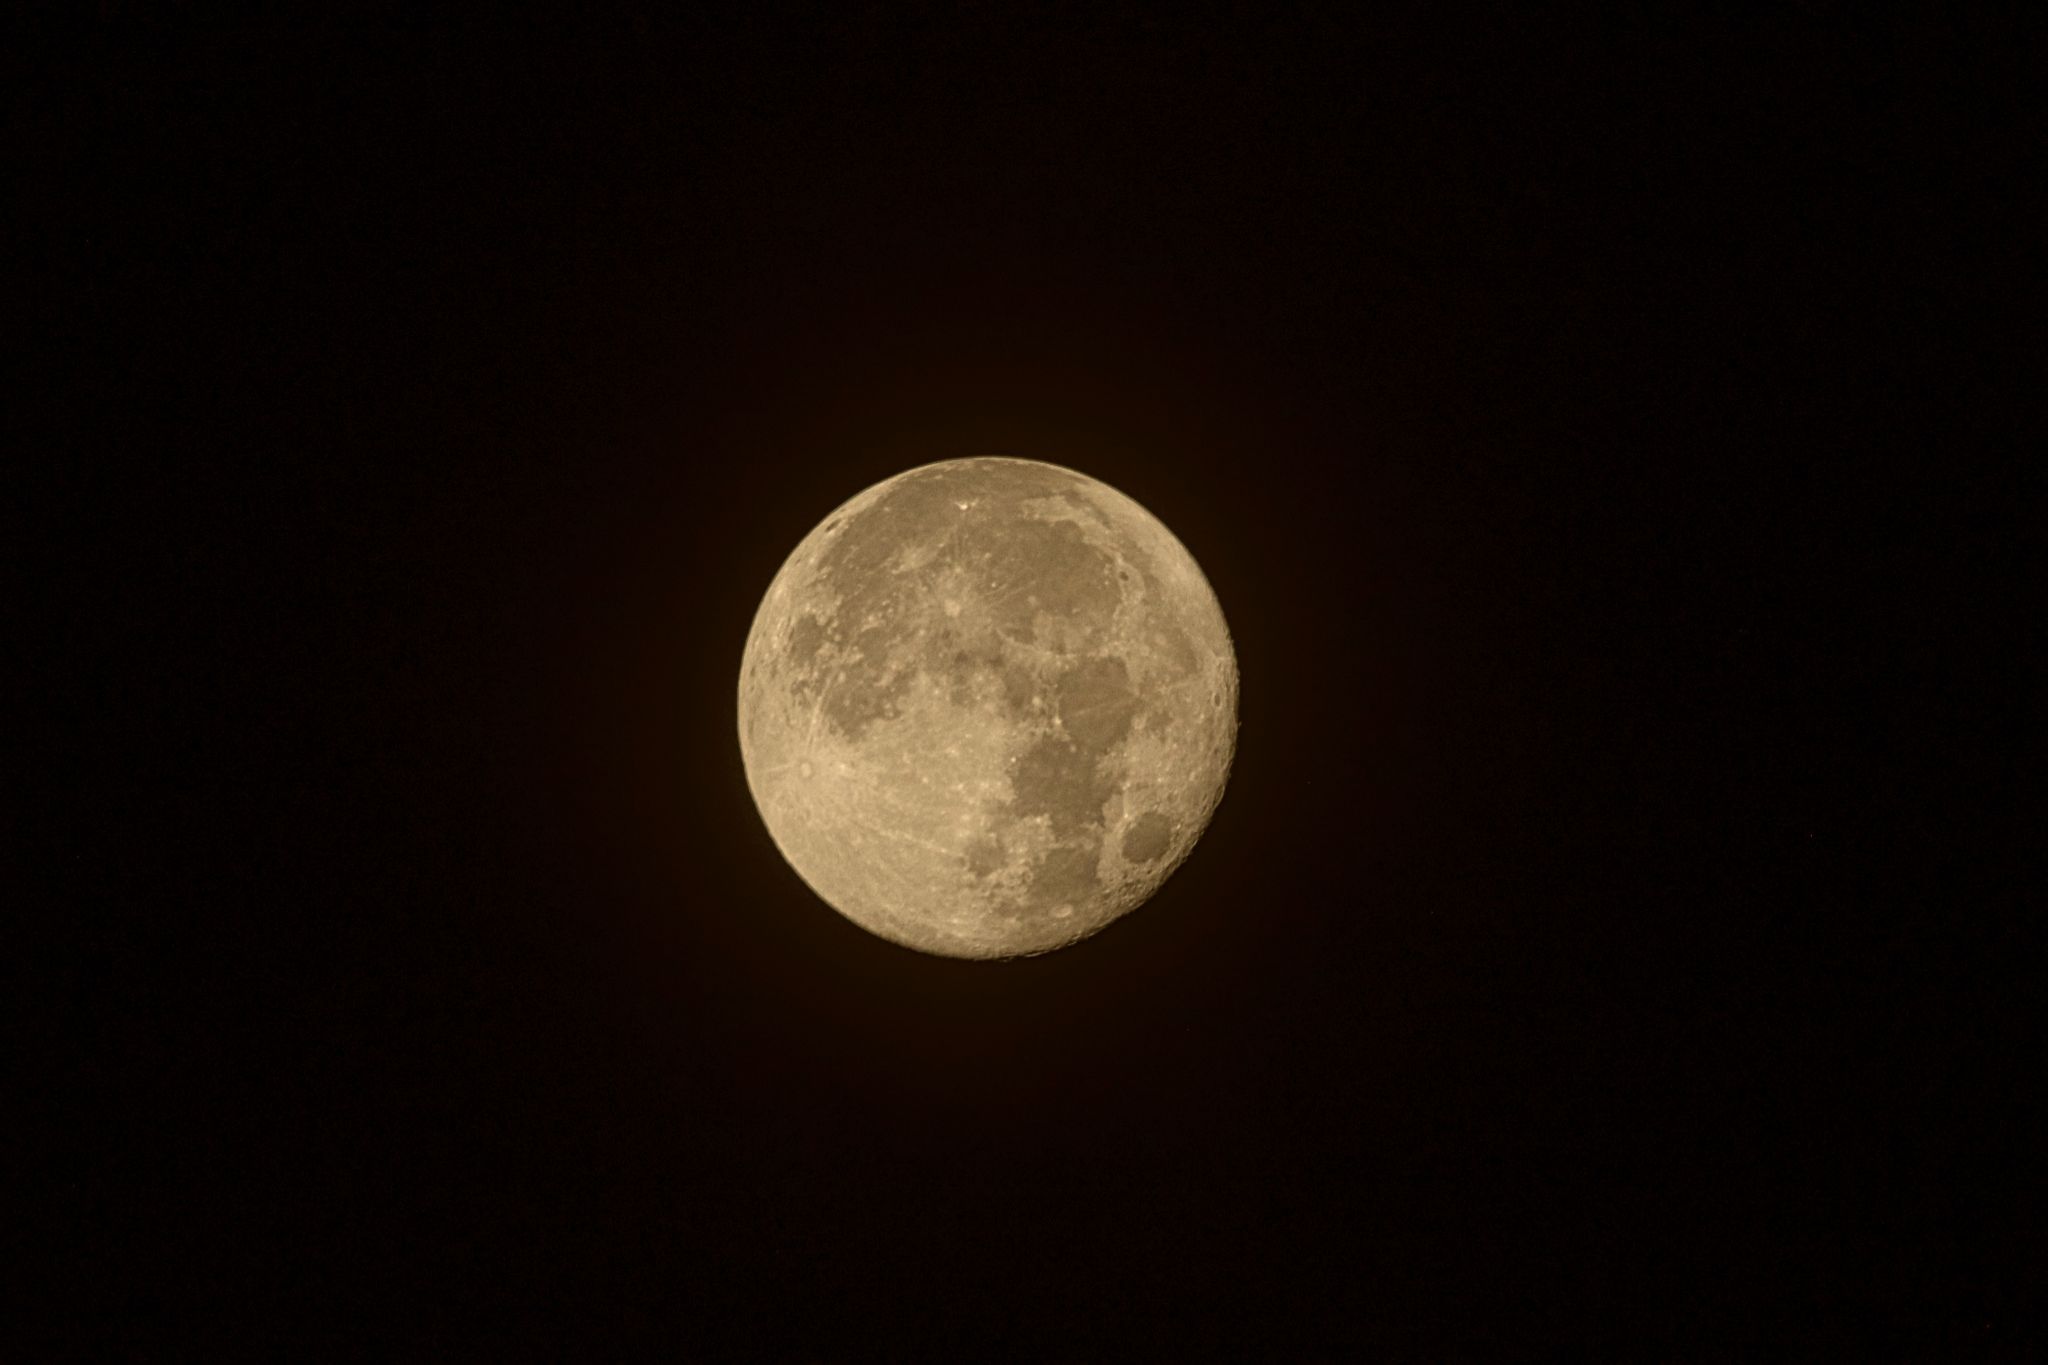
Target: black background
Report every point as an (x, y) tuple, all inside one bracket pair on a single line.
[(1583, 430)]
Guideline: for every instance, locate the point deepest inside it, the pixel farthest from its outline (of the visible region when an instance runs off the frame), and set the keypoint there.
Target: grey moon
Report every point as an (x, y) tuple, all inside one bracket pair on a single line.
[(988, 706)]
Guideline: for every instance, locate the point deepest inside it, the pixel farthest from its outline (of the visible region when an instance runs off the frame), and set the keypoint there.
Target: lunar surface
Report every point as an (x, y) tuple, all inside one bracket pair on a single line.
[(987, 707)]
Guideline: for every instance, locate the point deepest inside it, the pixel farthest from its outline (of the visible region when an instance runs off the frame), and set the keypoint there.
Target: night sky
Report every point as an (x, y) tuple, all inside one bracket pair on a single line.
[(1584, 431)]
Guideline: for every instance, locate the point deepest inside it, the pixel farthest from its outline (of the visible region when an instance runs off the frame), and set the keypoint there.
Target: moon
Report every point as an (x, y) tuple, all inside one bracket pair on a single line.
[(988, 706)]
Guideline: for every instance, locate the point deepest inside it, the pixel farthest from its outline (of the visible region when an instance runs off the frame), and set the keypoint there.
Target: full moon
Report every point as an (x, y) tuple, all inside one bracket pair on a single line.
[(987, 707)]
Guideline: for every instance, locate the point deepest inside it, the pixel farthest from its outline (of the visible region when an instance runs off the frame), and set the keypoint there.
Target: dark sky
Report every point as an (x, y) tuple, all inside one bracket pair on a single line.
[(1583, 431)]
